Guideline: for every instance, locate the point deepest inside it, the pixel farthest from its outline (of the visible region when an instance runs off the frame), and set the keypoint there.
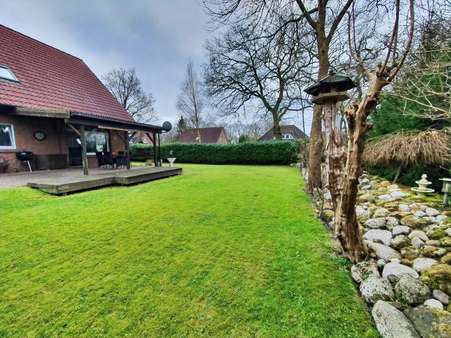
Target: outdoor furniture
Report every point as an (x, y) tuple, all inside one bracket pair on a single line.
[(25, 157), (171, 161), (105, 159), (121, 160)]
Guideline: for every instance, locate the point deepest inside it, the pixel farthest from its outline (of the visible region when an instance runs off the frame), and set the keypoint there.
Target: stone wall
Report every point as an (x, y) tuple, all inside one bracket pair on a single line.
[(407, 278)]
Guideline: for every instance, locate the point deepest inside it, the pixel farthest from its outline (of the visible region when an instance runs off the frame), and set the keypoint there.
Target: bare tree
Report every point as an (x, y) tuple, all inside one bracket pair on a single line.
[(126, 87), (190, 101), (323, 18), (346, 227), (246, 70)]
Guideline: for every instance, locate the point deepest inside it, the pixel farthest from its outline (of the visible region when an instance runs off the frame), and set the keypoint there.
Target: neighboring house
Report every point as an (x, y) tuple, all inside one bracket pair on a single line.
[(52, 104), (289, 132), (207, 135)]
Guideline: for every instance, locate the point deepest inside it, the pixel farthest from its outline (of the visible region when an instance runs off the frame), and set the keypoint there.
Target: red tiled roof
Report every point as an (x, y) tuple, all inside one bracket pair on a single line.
[(207, 135), (52, 79)]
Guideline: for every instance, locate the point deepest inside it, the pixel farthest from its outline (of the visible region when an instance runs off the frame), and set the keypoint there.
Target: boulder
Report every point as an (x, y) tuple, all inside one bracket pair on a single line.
[(421, 263), (446, 259), (362, 213), (375, 223), (417, 242), (410, 290), (441, 296), (397, 195), (378, 236), (384, 251), (363, 270), (419, 213), (418, 234), (380, 212), (391, 222), (385, 197), (400, 230), (446, 241), (410, 253), (438, 276), (436, 233), (397, 270), (432, 212), (434, 303), (404, 208), (375, 288), (400, 242), (433, 251), (366, 198), (328, 215), (430, 322), (392, 323), (413, 221)]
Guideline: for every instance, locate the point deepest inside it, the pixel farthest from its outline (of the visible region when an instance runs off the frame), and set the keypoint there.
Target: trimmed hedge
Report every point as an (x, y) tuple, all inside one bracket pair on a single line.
[(270, 152)]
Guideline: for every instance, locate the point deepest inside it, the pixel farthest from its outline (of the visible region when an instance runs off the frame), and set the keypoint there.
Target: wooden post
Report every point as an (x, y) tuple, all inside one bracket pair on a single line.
[(159, 154), (84, 156), (154, 149), (127, 150)]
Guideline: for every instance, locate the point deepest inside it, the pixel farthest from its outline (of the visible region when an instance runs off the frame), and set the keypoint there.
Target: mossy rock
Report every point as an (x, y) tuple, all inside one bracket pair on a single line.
[(429, 322), (436, 233), (438, 276), (446, 259), (446, 241), (414, 222), (328, 215)]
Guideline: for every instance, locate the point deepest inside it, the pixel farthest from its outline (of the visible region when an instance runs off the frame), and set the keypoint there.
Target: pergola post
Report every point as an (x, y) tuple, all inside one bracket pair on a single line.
[(84, 156), (127, 150), (159, 155)]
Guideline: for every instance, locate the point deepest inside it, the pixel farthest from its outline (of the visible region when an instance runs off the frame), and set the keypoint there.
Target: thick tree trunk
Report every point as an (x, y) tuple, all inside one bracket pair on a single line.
[(277, 133), (346, 226), (316, 144), (333, 152)]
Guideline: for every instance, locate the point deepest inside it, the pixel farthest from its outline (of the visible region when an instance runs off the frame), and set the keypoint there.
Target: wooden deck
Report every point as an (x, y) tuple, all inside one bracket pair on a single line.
[(65, 185)]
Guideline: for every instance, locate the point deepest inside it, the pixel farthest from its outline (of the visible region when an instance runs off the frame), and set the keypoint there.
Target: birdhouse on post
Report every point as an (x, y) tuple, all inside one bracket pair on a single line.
[(327, 92)]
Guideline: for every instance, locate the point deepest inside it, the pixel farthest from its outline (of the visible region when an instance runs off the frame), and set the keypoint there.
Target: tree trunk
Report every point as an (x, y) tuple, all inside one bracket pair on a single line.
[(346, 226), (316, 144), (277, 133), (333, 152)]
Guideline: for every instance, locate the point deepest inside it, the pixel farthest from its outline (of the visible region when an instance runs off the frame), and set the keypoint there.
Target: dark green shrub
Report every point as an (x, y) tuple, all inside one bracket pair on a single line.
[(271, 152), (409, 175)]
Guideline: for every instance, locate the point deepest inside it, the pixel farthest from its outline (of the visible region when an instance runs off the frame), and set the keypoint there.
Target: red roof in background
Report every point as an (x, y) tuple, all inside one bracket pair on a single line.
[(207, 135), (52, 79)]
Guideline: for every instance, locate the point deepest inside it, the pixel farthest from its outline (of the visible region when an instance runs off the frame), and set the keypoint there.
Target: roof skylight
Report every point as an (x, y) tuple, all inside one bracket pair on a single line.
[(7, 74)]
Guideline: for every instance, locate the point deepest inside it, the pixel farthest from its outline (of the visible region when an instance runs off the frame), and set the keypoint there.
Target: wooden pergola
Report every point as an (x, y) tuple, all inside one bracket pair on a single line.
[(79, 122), (125, 131)]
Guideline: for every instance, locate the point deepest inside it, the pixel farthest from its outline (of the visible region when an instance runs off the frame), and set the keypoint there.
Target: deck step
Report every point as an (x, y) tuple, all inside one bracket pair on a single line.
[(65, 185)]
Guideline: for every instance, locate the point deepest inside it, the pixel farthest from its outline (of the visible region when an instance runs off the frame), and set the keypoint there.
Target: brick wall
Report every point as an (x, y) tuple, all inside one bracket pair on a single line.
[(24, 128), (55, 142)]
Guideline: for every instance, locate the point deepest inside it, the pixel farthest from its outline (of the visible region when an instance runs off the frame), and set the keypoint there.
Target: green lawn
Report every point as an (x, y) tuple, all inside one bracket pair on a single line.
[(221, 251)]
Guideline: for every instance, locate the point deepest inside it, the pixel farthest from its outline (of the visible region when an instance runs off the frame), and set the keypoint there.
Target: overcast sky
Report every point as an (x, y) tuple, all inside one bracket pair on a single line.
[(156, 37)]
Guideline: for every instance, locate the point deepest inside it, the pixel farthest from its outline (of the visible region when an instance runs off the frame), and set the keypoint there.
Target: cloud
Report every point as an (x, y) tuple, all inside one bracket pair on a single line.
[(156, 37)]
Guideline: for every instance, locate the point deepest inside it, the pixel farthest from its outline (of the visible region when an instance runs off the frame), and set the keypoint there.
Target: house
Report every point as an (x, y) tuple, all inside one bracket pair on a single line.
[(204, 135), (54, 107), (289, 132)]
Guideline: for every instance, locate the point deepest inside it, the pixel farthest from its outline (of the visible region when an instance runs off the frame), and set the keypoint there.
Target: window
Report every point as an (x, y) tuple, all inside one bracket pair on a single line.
[(7, 140), (7, 74), (287, 137), (96, 141)]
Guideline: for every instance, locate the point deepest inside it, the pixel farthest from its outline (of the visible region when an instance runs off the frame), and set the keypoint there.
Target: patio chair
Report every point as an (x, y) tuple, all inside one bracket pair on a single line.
[(121, 160), (105, 159)]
